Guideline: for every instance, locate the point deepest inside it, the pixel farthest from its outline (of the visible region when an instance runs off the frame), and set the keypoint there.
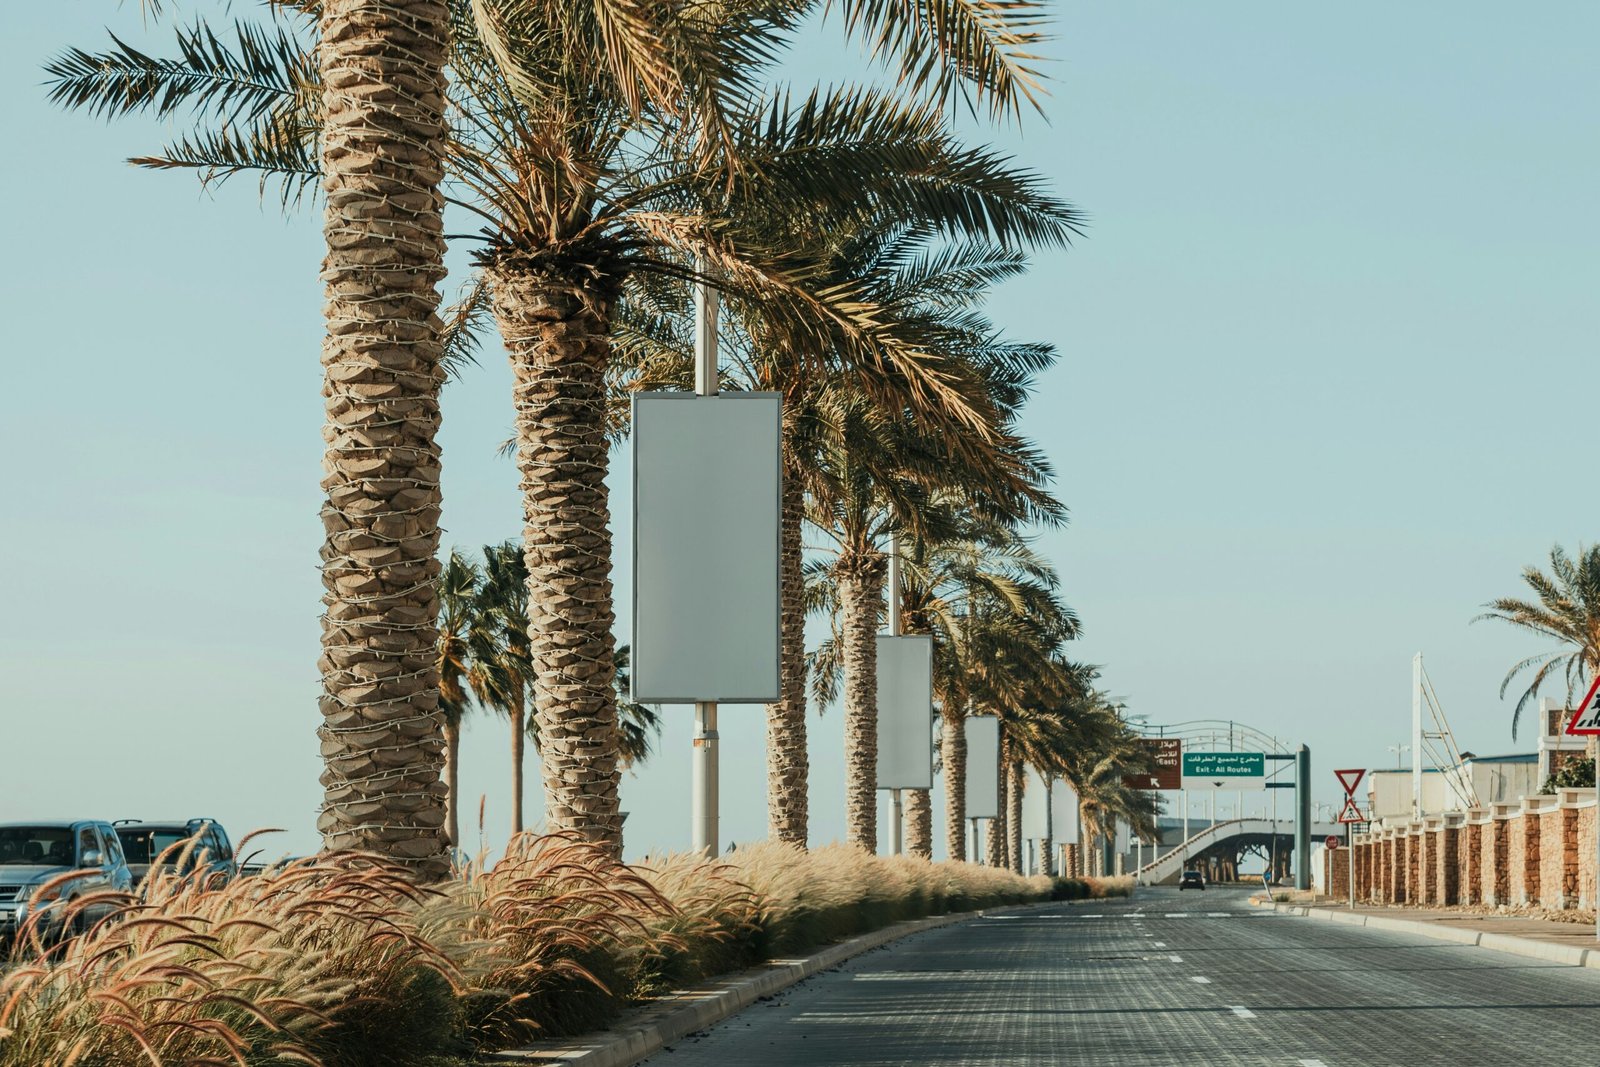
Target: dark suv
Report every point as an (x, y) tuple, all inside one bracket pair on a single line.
[(32, 854), (145, 841)]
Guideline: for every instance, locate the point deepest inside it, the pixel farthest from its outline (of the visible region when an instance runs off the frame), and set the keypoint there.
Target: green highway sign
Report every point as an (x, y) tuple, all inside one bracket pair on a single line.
[(1224, 770)]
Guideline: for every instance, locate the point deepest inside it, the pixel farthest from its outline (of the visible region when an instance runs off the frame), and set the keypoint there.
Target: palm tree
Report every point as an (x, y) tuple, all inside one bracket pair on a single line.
[(458, 597), (577, 137), (1567, 611), (502, 673), (1108, 751), (987, 599)]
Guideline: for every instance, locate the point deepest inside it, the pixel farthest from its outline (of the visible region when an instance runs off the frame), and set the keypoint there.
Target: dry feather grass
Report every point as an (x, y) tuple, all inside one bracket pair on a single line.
[(309, 964), (339, 961)]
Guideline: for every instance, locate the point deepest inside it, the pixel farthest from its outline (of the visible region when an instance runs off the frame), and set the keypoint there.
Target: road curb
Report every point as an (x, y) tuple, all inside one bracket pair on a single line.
[(1569, 955), (681, 1014)]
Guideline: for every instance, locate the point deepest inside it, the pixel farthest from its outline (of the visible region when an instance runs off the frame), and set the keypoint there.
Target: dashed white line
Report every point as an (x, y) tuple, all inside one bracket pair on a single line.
[(1202, 980), (1158, 944), (1175, 959), (1312, 1063), (1241, 1011)]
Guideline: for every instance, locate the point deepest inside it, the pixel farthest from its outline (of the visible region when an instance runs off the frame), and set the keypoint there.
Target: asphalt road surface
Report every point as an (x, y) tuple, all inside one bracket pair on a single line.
[(1167, 979)]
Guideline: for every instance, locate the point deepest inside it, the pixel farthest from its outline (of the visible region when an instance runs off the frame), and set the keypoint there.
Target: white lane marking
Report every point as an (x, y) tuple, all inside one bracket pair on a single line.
[(1201, 980), (1175, 959), (1241, 1011), (1312, 1063), (1158, 944)]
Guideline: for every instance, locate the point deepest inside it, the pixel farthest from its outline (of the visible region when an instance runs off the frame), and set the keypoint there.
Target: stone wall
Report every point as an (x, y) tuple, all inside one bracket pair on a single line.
[(1539, 850)]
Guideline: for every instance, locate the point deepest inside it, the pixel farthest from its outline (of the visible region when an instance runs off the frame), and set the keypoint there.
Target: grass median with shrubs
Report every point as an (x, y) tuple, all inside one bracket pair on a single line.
[(339, 961)]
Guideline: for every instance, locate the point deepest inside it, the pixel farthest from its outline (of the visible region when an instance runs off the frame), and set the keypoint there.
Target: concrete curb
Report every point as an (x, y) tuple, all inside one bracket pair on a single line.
[(681, 1014), (1569, 955)]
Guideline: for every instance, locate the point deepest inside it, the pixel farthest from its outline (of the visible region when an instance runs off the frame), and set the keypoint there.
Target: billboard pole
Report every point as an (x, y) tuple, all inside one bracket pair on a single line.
[(896, 812), (1302, 818), (706, 770)]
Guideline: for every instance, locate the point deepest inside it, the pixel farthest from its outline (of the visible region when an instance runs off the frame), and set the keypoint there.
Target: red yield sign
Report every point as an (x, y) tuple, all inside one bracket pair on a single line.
[(1586, 720), (1351, 779)]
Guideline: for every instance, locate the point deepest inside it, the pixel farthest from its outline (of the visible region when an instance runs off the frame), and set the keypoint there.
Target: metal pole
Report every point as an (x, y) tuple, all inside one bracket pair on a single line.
[(1185, 824), (1416, 736), (1350, 847), (1302, 823), (893, 583), (895, 818), (706, 772)]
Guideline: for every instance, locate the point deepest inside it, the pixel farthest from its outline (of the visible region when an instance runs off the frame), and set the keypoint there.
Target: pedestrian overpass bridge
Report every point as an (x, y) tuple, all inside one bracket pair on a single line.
[(1232, 839)]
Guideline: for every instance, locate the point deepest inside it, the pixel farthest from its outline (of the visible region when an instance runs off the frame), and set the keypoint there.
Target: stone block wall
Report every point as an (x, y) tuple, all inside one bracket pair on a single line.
[(1446, 872), (1494, 866), (1469, 861), (1558, 857), (1539, 851)]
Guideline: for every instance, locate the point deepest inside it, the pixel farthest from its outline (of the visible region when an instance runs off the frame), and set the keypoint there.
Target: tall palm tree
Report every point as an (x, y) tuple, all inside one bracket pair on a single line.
[(456, 650), (1567, 611), (982, 596), (502, 674), (577, 136), (375, 84)]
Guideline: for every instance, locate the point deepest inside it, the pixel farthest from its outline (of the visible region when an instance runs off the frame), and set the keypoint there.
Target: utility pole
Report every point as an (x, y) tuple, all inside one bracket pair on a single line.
[(706, 772)]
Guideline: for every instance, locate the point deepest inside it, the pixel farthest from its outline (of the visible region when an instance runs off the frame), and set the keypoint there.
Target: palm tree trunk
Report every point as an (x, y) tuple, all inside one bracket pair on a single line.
[(557, 332), (382, 69), (519, 729), (860, 598), (919, 823), (787, 762), (452, 779), (1014, 816), (953, 758)]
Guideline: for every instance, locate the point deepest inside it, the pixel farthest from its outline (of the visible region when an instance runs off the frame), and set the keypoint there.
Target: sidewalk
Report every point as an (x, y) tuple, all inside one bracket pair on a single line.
[(1546, 939)]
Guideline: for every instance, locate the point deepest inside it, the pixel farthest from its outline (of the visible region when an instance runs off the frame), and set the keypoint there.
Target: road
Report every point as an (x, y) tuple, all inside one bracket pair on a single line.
[(1167, 979)]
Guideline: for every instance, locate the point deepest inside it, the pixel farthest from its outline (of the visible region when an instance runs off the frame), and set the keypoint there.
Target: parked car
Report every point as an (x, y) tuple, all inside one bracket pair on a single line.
[(1191, 880), (32, 854), (144, 842)]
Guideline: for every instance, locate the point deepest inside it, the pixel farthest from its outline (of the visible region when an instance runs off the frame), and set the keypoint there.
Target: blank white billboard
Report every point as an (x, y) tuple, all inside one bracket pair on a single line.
[(1035, 803), (905, 712), (707, 497), (1064, 813), (983, 766)]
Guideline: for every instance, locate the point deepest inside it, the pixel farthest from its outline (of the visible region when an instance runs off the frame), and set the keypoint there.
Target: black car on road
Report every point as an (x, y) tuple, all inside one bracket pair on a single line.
[(1191, 880)]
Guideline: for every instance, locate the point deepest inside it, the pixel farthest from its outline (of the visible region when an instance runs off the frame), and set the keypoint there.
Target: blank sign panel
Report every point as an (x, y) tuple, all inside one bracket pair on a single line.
[(905, 712), (983, 766), (707, 496)]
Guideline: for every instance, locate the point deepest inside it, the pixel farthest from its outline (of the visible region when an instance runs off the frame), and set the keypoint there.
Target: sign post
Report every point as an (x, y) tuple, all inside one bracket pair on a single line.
[(707, 505), (1586, 722), (1350, 815)]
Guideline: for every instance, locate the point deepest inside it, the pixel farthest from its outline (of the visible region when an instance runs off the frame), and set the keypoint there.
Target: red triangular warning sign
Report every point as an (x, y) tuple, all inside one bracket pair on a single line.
[(1350, 779), (1351, 813), (1586, 720)]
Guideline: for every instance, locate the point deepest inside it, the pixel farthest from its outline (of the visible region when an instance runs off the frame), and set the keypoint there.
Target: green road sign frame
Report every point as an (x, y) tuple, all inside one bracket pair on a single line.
[(1224, 765)]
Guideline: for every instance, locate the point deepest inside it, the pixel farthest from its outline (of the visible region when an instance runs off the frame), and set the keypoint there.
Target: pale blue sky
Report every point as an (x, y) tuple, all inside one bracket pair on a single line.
[(1326, 353)]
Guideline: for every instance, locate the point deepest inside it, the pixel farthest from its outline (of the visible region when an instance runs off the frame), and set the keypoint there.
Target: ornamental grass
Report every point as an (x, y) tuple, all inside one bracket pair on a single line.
[(339, 960)]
